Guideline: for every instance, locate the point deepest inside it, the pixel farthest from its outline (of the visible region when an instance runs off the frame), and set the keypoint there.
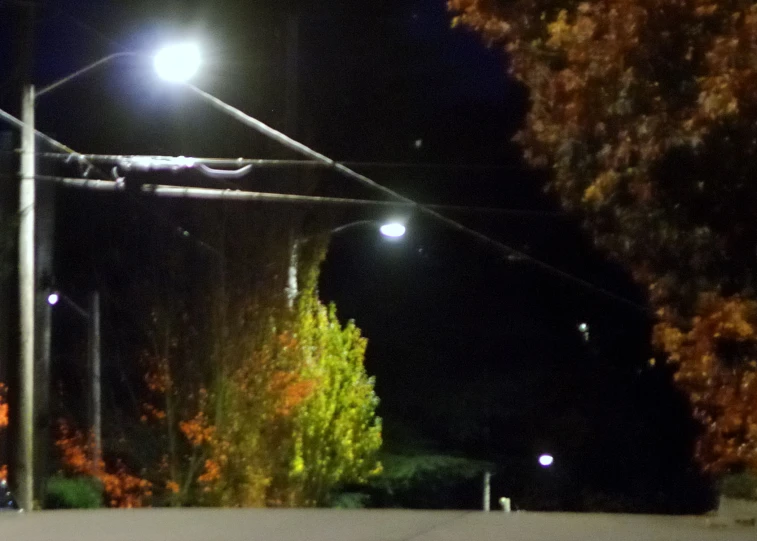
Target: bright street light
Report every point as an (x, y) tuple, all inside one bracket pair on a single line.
[(546, 460), (392, 230), (178, 63), (53, 298)]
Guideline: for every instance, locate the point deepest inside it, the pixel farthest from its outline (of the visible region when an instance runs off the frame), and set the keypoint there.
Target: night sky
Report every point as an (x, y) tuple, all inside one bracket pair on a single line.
[(475, 354)]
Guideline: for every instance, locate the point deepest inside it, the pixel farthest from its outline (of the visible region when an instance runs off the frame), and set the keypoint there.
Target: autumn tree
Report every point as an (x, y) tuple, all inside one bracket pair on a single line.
[(645, 113), (336, 434), (248, 397), (295, 414), (298, 420)]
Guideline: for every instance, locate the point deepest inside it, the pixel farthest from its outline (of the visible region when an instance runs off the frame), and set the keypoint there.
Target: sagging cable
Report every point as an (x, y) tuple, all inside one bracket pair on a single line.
[(224, 173)]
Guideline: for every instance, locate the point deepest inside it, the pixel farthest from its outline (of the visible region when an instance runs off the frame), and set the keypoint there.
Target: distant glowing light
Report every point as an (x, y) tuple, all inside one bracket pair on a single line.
[(583, 328), (178, 63), (546, 460), (52, 299), (393, 230)]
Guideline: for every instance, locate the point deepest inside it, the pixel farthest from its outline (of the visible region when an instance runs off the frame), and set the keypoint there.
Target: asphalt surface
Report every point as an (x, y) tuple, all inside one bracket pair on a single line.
[(364, 525)]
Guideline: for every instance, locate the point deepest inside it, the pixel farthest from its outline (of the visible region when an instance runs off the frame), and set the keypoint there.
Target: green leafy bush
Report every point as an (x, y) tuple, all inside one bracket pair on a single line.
[(741, 485), (428, 481), (73, 493), (351, 500)]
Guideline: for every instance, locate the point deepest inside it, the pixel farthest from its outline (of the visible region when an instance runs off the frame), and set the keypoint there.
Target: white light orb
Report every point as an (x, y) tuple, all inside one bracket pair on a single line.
[(393, 230), (546, 460), (52, 299), (178, 63)]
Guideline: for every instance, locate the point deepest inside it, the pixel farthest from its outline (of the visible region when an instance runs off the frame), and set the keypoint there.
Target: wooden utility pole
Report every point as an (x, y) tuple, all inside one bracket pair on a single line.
[(44, 279), (24, 467)]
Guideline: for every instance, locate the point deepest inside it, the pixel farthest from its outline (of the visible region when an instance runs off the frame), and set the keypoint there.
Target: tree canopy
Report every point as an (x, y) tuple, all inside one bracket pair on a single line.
[(644, 111)]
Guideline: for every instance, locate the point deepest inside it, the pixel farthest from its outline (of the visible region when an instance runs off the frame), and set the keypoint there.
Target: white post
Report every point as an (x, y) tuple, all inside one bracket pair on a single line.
[(26, 290), (487, 490)]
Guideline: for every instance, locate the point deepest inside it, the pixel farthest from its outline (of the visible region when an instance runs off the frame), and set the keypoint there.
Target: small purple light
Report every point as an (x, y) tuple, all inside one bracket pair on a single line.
[(546, 460), (52, 299)]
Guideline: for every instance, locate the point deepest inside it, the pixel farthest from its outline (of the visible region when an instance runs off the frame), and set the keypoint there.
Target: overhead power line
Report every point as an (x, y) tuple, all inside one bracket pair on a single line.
[(182, 162), (173, 191), (244, 166), (208, 167), (239, 195)]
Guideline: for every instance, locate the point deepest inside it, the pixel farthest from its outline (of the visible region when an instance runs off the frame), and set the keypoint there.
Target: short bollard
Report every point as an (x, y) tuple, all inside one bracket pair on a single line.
[(505, 504)]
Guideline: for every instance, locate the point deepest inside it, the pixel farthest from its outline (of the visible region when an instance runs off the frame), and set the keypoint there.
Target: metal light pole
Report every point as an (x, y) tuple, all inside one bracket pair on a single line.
[(42, 424), (95, 394), (94, 363)]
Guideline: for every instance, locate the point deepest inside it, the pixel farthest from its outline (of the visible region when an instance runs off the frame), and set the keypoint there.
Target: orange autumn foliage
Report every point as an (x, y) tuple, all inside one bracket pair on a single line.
[(197, 431), (172, 487), (166, 408), (716, 361), (120, 488), (3, 407), (212, 472), (289, 391), (3, 424)]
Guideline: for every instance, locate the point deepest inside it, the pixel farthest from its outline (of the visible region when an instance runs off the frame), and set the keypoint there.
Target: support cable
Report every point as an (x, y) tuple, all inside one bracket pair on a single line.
[(173, 191)]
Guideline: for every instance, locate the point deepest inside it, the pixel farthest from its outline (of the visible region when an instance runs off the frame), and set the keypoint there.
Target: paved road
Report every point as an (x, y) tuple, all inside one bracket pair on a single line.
[(375, 525)]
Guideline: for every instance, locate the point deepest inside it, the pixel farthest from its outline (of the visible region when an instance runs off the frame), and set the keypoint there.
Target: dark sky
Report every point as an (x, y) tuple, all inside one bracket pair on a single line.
[(475, 353)]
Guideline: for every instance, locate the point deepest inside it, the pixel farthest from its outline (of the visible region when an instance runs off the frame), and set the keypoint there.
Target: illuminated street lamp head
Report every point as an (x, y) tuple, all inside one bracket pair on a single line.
[(546, 460), (53, 298), (393, 230), (178, 63)]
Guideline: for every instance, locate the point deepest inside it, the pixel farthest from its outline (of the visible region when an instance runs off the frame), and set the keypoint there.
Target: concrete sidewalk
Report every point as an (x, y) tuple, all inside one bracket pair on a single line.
[(363, 525)]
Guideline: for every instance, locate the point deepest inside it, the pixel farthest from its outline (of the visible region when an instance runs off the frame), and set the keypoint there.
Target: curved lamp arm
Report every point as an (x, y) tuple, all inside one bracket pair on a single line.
[(82, 71)]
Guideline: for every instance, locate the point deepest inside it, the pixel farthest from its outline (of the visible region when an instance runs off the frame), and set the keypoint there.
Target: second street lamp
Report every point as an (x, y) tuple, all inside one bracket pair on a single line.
[(390, 230), (94, 363)]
